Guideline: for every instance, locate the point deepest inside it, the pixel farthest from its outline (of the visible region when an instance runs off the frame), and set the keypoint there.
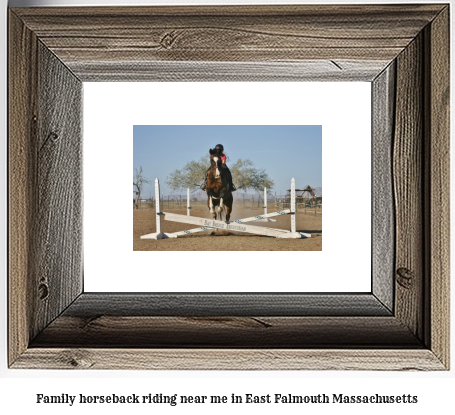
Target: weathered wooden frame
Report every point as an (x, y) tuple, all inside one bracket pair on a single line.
[(403, 324)]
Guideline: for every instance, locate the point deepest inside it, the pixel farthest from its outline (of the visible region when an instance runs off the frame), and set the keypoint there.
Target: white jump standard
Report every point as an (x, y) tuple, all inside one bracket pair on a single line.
[(158, 234), (265, 218), (294, 233), (236, 225)]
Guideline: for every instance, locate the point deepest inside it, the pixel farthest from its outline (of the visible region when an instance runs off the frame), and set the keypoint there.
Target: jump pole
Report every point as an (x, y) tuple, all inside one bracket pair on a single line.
[(234, 225), (237, 225), (158, 234), (231, 226), (245, 220)]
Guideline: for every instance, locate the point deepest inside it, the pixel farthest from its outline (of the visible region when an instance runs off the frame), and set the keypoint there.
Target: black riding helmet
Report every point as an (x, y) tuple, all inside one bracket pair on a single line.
[(219, 147)]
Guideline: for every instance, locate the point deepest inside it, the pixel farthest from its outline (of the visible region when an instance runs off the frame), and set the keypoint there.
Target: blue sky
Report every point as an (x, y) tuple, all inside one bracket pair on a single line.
[(284, 151)]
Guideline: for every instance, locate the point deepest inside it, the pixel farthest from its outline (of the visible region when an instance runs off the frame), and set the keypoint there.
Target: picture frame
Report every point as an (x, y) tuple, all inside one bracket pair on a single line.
[(402, 324)]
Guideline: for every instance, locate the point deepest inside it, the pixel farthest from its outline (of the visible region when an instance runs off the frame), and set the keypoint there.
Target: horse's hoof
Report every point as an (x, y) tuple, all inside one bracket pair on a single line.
[(213, 215), (228, 222)]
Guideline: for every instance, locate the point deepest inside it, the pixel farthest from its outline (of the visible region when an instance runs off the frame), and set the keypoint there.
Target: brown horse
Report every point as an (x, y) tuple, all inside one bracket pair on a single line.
[(218, 192)]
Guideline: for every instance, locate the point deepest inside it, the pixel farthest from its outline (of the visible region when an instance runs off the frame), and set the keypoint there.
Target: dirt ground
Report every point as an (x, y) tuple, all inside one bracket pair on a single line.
[(144, 222)]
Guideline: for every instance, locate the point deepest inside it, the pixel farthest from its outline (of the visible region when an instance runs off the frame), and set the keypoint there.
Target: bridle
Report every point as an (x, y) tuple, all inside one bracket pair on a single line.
[(213, 167)]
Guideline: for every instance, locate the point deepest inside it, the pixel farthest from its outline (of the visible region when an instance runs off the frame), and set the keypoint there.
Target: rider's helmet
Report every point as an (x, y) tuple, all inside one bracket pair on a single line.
[(219, 147)]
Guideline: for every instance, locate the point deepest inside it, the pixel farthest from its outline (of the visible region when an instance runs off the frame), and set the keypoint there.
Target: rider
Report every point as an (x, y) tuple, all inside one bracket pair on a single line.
[(220, 149)]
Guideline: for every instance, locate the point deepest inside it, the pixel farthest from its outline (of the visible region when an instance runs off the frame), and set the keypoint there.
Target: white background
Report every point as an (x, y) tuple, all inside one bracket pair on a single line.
[(18, 389), (343, 110)]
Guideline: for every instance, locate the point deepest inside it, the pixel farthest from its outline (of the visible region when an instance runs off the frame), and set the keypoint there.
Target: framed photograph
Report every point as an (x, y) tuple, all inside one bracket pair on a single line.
[(257, 152), (401, 322)]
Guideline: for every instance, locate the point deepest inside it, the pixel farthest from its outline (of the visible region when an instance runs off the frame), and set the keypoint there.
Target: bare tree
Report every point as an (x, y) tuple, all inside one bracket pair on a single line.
[(138, 182)]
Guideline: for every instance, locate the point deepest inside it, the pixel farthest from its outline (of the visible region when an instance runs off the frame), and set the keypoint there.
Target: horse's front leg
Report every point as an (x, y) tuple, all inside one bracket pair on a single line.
[(228, 213), (222, 194), (212, 211), (219, 208)]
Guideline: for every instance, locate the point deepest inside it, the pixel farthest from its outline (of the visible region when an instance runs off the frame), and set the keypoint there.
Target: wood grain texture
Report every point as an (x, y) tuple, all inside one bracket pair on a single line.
[(53, 49), (259, 332), (383, 215), (227, 34), (308, 71), (44, 186), (407, 175), (438, 193), (22, 94), (231, 304), (58, 215), (229, 359)]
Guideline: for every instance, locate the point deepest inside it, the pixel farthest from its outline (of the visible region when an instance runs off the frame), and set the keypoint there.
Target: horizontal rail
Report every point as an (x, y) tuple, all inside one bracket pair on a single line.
[(250, 219), (232, 226)]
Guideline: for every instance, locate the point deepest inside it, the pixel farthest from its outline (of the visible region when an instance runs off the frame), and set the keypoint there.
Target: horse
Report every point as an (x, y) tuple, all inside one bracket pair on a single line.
[(218, 193)]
